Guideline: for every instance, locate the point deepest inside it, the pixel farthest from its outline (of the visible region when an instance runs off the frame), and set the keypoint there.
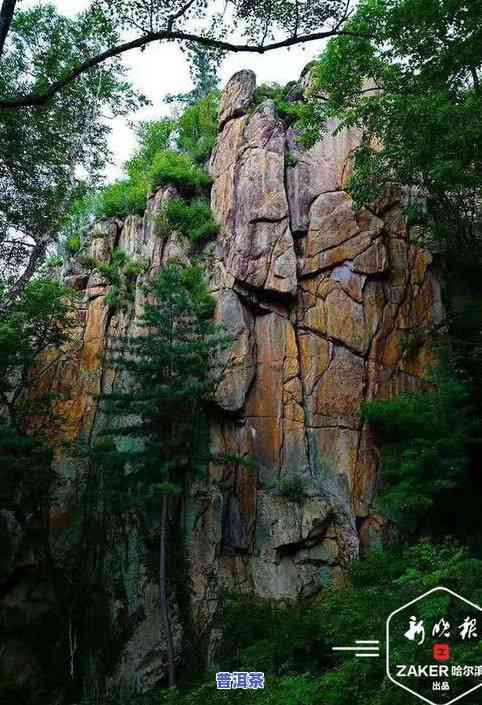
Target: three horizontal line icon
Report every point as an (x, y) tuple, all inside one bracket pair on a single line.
[(364, 648)]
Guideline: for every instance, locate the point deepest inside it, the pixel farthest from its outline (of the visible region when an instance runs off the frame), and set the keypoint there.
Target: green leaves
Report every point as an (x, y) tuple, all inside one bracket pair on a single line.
[(158, 428), (293, 488), (292, 643), (424, 60), (121, 273), (43, 149), (198, 127), (122, 198), (153, 136), (44, 316), (73, 244), (425, 451), (195, 220), (156, 164), (256, 20), (169, 167)]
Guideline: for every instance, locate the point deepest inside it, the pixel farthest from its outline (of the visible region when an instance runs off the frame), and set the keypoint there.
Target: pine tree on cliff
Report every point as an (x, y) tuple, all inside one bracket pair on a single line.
[(158, 433)]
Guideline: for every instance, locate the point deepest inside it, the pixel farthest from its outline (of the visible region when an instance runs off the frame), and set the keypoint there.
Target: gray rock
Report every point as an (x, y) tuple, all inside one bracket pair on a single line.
[(237, 96)]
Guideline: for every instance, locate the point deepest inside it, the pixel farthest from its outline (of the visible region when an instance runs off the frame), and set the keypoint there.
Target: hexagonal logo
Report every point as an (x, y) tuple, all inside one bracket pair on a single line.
[(434, 647)]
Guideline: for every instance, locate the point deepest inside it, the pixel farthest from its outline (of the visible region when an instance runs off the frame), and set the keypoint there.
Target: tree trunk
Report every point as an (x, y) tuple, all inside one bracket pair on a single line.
[(6, 15), (37, 258), (163, 593)]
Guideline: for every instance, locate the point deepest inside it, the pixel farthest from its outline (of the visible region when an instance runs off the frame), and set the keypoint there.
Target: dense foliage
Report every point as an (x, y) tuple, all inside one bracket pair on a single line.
[(121, 273), (120, 199), (60, 77), (292, 644), (199, 28), (409, 76), (179, 170), (42, 317), (169, 368), (288, 110), (426, 57), (425, 438), (194, 221), (198, 127), (43, 151), (169, 154)]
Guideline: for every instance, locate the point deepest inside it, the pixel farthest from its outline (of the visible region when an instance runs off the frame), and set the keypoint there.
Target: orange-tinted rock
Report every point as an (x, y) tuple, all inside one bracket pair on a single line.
[(338, 233), (338, 391), (345, 318), (325, 167)]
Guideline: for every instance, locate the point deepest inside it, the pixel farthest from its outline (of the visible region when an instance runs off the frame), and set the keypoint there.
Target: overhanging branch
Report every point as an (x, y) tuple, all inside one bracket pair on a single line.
[(6, 16), (40, 98)]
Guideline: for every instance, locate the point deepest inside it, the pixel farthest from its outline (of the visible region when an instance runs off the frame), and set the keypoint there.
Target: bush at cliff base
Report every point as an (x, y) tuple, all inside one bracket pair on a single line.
[(293, 646)]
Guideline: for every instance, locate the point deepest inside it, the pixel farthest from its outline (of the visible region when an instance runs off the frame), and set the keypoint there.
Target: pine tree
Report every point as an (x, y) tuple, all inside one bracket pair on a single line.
[(158, 432)]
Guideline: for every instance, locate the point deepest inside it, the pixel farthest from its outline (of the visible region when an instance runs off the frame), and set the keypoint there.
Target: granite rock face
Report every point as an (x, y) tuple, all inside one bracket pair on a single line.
[(332, 297), (249, 196), (323, 303)]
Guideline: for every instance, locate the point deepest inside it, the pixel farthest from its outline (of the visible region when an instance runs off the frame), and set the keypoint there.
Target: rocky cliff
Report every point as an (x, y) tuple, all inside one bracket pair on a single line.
[(328, 306)]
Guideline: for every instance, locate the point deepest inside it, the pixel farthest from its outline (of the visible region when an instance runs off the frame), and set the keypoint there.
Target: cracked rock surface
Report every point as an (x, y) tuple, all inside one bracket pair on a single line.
[(323, 303), (331, 298)]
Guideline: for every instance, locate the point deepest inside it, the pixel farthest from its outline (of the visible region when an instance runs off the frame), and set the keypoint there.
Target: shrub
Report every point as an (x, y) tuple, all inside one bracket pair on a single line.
[(73, 244), (114, 300), (128, 196), (122, 198), (198, 128), (77, 220), (279, 639), (89, 262), (425, 440), (121, 273), (155, 164), (194, 220), (293, 644), (54, 262), (288, 112), (169, 167), (272, 91), (154, 136), (293, 488)]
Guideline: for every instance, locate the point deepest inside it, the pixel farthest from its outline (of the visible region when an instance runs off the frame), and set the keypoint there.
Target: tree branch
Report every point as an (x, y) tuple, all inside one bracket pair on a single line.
[(36, 99), (475, 77), (6, 15), (20, 243), (37, 256), (180, 13)]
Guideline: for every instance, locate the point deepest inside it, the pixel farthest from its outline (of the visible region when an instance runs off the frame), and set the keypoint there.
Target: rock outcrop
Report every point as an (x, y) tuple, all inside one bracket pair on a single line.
[(328, 306), (327, 300)]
